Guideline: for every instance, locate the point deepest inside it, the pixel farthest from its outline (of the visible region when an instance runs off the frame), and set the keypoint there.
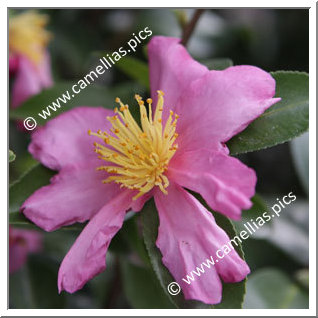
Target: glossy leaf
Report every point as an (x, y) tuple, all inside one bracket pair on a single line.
[(135, 69), (129, 238), (300, 152), (17, 219), (21, 189), (149, 294), (283, 121), (92, 95), (257, 210), (32, 180), (34, 286)]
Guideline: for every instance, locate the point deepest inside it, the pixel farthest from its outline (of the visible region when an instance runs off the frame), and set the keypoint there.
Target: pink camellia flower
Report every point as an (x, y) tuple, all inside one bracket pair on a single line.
[(21, 243), (180, 144), (29, 61)]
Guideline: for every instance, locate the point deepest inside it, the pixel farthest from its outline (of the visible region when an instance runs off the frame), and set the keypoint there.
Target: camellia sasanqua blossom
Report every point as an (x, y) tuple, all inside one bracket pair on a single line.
[(22, 243), (179, 144), (29, 60)]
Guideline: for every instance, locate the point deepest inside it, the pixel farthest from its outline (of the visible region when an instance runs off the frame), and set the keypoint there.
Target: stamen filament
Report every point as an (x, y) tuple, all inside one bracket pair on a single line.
[(138, 156)]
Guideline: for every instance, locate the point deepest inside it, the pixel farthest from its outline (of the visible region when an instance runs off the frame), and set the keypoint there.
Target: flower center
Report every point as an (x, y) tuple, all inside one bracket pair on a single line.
[(27, 35), (138, 157)]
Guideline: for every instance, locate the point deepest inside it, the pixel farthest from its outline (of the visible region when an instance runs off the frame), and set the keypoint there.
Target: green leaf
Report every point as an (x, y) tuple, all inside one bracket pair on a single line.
[(34, 286), (149, 294), (233, 294), (283, 121), (11, 156), (129, 239), (22, 163), (32, 180), (217, 64), (17, 219), (272, 289), (93, 95), (257, 210), (35, 178), (43, 275), (135, 69), (20, 292), (300, 152)]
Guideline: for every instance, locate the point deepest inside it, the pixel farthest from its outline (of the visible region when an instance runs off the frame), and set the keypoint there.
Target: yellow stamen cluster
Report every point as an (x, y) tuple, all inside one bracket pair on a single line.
[(138, 156), (27, 35)]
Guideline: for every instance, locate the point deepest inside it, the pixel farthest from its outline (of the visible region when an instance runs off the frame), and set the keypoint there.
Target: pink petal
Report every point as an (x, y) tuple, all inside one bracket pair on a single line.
[(188, 235), (45, 74), (171, 70), (64, 140), (74, 195), (30, 79), (138, 204), (17, 257), (21, 243), (224, 182), (221, 104), (86, 258), (213, 105), (13, 64)]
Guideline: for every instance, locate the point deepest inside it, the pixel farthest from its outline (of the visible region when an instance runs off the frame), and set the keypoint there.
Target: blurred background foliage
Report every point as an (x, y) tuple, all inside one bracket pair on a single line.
[(277, 255)]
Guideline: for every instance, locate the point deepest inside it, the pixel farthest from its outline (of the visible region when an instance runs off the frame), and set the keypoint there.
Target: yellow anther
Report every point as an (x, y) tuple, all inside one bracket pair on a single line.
[(117, 100), (141, 154), (27, 35)]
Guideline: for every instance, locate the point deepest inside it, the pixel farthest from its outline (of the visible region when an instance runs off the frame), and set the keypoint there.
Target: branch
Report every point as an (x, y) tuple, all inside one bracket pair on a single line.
[(188, 30)]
